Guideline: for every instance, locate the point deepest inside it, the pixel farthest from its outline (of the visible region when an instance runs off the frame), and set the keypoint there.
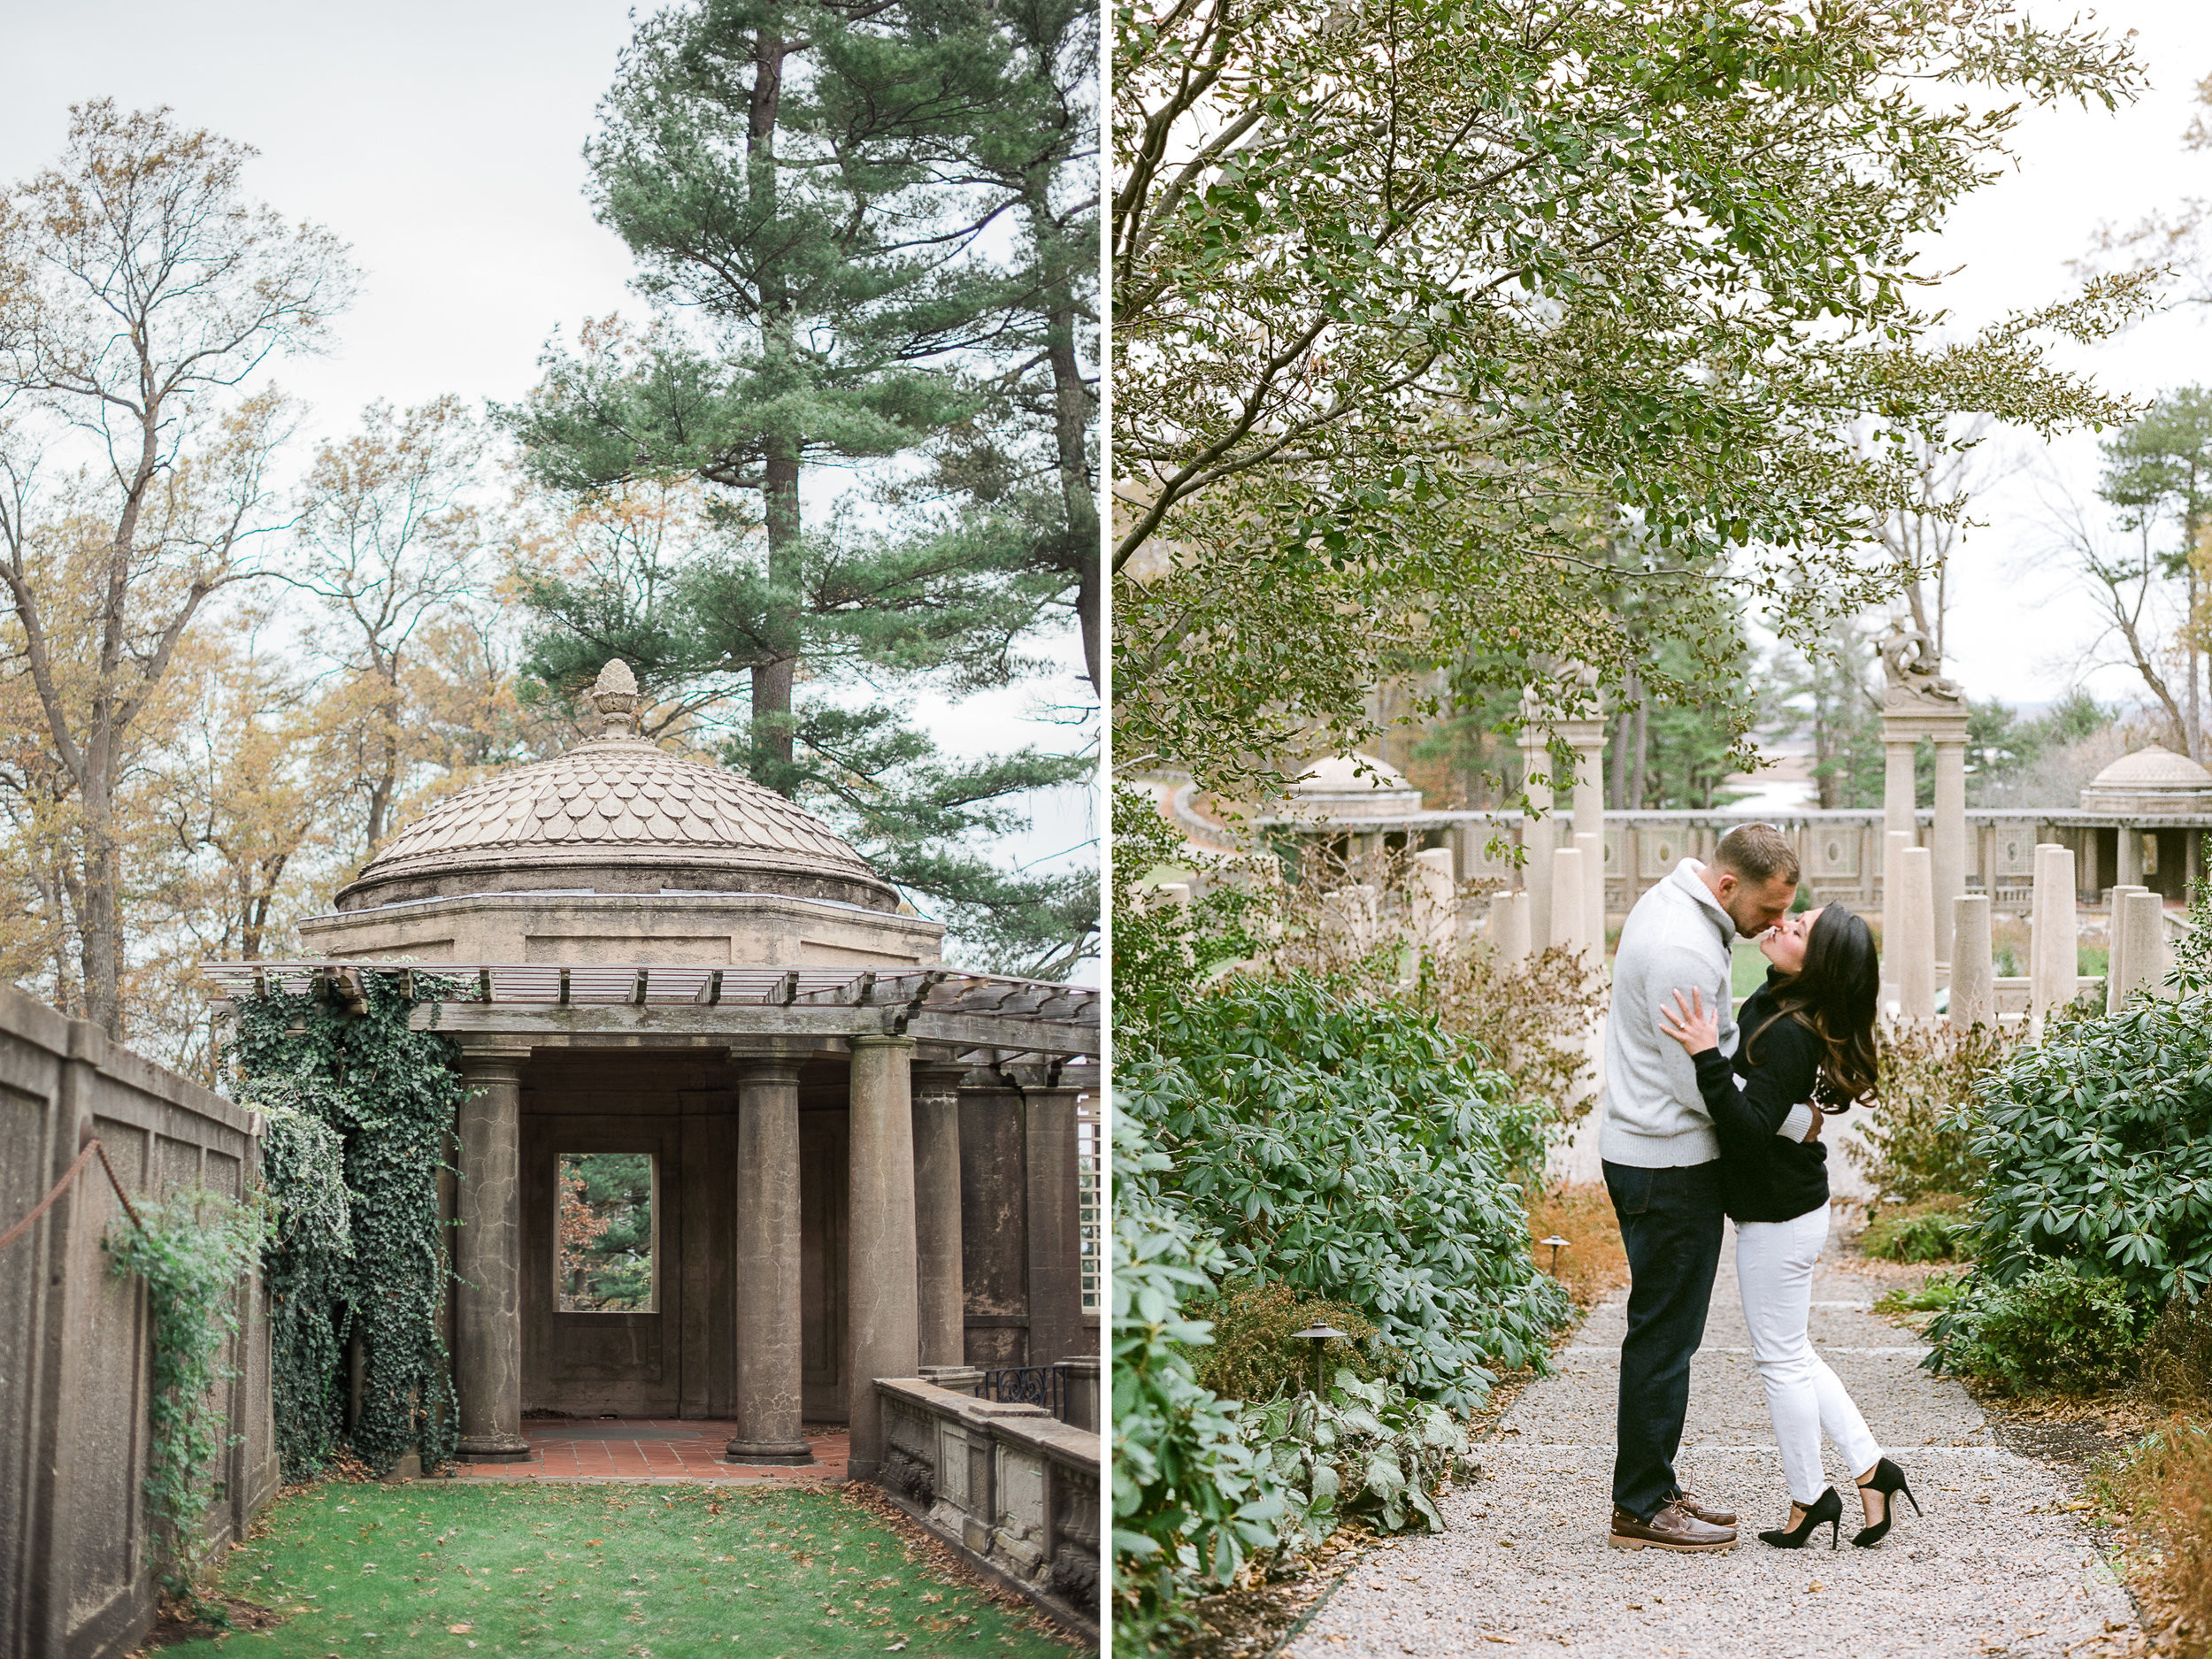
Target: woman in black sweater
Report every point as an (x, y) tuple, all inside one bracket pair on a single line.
[(1808, 1039)]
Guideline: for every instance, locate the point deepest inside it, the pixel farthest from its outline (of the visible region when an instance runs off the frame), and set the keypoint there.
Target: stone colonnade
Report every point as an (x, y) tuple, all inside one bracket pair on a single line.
[(904, 1293)]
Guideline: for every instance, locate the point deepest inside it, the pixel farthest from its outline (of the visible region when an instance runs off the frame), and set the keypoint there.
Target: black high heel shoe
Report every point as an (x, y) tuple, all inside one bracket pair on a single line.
[(1827, 1508), (1889, 1481)]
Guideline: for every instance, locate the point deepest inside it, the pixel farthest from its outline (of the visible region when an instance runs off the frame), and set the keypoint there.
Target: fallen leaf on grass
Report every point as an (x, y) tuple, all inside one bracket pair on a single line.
[(460, 1630)]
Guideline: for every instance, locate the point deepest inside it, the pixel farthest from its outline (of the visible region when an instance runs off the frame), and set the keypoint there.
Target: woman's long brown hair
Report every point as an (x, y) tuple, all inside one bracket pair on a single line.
[(1833, 996)]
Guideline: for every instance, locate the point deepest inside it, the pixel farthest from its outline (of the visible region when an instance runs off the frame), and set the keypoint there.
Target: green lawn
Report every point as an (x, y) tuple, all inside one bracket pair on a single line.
[(1748, 970), (658, 1572)]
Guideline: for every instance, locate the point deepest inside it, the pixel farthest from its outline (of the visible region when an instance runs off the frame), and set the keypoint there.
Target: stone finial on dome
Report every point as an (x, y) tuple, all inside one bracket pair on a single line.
[(615, 695)]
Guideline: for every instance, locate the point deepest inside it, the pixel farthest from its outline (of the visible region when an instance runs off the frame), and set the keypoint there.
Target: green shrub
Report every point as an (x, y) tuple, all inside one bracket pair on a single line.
[(1368, 1450), (2096, 1145), (2059, 1326), (1255, 1353), (1930, 1231), (1190, 1499), (1933, 1294), (1915, 1141), (1349, 1149)]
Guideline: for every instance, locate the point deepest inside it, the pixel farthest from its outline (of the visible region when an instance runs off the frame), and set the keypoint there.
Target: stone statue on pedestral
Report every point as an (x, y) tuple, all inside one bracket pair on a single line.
[(1910, 663)]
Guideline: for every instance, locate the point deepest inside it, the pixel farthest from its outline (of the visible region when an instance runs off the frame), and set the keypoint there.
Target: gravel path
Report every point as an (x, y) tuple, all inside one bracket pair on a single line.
[(1993, 1566)]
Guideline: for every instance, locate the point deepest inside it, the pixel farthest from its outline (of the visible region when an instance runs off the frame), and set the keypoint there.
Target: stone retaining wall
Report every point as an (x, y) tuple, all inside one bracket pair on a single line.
[(75, 1576), (1015, 1490)]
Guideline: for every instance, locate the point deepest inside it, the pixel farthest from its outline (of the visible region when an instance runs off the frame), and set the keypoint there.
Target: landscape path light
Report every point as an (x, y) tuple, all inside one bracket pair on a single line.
[(1319, 1336), (1557, 1244)]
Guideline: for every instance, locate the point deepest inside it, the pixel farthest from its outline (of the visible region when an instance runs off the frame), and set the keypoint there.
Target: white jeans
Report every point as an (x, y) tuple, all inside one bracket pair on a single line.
[(1774, 1271)]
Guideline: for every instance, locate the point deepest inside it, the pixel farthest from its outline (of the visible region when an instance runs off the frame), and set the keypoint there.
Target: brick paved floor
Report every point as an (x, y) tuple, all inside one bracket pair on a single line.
[(668, 1449)]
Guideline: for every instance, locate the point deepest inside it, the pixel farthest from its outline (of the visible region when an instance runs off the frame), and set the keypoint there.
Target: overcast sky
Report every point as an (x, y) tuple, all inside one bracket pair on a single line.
[(443, 143)]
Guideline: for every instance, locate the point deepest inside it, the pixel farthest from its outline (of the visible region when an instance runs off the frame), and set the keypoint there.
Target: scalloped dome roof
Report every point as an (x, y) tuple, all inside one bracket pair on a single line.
[(619, 812), (2153, 768)]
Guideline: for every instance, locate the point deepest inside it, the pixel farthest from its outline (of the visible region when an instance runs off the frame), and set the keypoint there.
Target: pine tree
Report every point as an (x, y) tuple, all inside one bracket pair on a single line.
[(780, 169)]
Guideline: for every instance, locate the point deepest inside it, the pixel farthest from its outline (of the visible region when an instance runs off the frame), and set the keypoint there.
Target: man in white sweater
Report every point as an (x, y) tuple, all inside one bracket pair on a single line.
[(1662, 1164)]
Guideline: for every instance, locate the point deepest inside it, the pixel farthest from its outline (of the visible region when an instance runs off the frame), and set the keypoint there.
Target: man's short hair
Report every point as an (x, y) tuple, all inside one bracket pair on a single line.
[(1758, 852)]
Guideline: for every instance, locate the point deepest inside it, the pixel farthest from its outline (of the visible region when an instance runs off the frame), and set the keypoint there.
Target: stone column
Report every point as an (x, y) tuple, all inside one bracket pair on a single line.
[(1569, 912), (2130, 872), (1899, 787), (1973, 988), (1437, 899), (883, 1336), (2148, 953), (1589, 738), (1508, 927), (487, 1261), (1893, 845), (2055, 946), (2118, 971), (942, 1285), (767, 1395), (1915, 951), (1053, 1192), (1538, 836), (1916, 702), (1592, 851), (1946, 839)]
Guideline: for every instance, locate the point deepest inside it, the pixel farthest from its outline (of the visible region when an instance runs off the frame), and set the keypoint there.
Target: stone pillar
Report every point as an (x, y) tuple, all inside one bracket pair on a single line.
[(1083, 1391), (1436, 899), (941, 1284), (1509, 925), (1589, 738), (1899, 787), (1973, 987), (1592, 851), (1917, 703), (1946, 839), (1568, 912), (2130, 874), (882, 1335), (1915, 950), (1054, 1195), (2118, 979), (1893, 845), (2148, 955), (487, 1261), (767, 1406), (2055, 946), (1538, 836)]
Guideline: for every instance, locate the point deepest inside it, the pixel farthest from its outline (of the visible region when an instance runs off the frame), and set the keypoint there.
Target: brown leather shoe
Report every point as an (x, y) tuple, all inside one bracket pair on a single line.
[(1690, 1503), (1671, 1529)]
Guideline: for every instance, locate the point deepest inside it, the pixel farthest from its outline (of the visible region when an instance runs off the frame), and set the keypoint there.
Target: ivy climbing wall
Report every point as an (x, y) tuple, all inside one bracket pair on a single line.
[(76, 1553)]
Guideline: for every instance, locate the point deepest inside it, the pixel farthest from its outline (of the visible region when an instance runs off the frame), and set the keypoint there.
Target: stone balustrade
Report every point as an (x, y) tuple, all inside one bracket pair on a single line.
[(1014, 1490)]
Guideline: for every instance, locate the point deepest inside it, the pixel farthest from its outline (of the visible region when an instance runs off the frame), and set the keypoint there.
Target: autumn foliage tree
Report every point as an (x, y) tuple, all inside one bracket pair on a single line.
[(142, 294)]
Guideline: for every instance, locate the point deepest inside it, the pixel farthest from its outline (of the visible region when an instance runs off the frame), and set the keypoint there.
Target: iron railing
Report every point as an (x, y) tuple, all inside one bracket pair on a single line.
[(1044, 1385)]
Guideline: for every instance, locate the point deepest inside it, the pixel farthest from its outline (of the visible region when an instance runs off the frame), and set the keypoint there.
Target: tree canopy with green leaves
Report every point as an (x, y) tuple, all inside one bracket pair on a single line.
[(814, 193), (2159, 472), (1421, 306)]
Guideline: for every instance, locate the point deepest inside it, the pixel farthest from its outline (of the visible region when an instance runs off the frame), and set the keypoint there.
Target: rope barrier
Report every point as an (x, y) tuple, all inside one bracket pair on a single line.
[(62, 1186)]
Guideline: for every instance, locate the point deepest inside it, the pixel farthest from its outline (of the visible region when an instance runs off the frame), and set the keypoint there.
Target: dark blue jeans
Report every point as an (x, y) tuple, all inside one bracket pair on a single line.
[(1670, 1223)]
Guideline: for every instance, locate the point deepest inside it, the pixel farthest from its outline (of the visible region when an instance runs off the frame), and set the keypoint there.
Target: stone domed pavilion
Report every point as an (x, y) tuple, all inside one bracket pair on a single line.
[(864, 1164)]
